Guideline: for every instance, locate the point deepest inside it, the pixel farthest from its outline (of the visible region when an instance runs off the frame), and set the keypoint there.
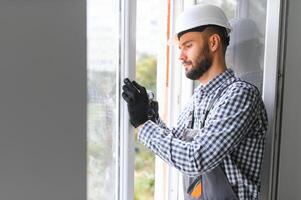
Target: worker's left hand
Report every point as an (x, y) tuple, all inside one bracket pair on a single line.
[(138, 104)]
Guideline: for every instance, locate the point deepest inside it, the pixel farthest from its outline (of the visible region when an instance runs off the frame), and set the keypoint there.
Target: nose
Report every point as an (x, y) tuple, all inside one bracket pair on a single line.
[(182, 56)]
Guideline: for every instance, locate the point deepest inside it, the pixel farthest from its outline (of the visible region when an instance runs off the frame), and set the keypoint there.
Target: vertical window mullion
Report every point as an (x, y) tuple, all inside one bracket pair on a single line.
[(127, 69)]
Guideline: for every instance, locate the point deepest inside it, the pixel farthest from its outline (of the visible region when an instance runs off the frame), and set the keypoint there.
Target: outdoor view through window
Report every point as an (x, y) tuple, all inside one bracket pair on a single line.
[(103, 63), (149, 31)]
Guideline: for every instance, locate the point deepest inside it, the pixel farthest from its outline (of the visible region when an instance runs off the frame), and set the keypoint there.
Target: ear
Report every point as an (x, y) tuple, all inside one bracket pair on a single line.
[(214, 42)]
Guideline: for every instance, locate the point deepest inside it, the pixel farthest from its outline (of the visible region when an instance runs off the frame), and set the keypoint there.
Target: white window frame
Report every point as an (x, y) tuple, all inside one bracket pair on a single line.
[(125, 147), (272, 78)]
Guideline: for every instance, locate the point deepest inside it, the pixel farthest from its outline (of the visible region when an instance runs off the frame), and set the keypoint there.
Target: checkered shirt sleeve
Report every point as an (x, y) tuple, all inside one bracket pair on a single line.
[(226, 125)]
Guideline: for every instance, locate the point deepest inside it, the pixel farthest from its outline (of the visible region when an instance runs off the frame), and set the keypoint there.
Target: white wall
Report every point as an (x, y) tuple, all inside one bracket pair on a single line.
[(43, 100), (289, 185)]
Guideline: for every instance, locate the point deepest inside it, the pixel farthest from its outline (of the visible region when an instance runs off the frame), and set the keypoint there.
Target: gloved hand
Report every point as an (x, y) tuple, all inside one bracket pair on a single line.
[(153, 112), (138, 104)]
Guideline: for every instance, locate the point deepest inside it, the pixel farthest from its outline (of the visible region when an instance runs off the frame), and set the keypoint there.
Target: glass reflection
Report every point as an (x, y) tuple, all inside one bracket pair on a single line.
[(243, 53)]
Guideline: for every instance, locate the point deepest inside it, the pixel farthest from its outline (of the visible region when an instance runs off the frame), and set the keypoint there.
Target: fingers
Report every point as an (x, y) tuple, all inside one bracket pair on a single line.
[(129, 92), (139, 87), (127, 81), (132, 89), (129, 89), (127, 98), (130, 84)]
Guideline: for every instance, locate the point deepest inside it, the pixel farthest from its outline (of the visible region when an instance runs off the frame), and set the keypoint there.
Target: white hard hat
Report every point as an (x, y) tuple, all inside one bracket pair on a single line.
[(199, 15)]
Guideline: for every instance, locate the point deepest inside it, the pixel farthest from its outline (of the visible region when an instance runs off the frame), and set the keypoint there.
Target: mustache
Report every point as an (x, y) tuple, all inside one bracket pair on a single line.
[(186, 63)]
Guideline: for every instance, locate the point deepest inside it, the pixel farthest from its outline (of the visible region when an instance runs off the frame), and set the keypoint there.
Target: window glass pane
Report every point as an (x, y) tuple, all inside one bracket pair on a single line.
[(149, 32), (102, 61), (245, 54), (228, 6), (246, 49)]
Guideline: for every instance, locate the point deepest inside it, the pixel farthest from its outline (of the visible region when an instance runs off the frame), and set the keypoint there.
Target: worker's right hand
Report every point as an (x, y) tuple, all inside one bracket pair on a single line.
[(137, 101)]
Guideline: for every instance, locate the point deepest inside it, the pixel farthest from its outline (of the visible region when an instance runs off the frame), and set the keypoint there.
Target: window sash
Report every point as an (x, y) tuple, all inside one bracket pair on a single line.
[(125, 150)]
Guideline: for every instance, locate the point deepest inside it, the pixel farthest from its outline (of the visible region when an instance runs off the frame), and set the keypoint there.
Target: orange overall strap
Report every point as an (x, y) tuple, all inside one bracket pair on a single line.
[(197, 190)]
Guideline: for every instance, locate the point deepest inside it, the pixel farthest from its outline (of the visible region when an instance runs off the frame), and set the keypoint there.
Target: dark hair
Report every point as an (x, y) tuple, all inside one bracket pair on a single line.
[(195, 29), (221, 31)]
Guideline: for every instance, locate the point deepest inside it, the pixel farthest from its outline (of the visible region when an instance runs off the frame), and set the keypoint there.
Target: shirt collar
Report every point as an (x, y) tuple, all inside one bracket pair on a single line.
[(216, 82)]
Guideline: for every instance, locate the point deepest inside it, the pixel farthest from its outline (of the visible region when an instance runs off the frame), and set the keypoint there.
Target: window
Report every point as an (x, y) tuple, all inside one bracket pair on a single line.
[(148, 34), (111, 57), (102, 117)]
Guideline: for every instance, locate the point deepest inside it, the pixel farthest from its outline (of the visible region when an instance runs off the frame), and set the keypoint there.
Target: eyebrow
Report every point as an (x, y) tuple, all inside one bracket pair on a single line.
[(184, 43)]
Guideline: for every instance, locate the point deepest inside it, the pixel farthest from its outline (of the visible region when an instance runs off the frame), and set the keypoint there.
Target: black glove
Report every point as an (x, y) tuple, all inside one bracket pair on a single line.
[(138, 104), (153, 112)]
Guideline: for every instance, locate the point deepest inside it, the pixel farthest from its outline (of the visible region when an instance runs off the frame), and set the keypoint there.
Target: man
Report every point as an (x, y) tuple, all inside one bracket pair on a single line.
[(218, 142)]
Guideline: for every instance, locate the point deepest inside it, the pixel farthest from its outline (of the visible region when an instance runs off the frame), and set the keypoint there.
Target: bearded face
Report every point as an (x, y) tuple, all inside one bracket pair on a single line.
[(200, 65)]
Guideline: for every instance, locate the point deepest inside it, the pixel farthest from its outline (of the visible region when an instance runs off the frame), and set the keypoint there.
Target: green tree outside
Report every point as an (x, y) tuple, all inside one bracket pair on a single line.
[(146, 75)]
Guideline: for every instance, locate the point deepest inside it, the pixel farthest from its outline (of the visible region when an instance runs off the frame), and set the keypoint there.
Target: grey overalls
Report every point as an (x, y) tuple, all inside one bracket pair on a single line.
[(215, 185)]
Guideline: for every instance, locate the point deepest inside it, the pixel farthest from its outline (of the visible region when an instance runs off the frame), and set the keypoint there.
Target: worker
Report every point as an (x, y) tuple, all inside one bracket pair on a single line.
[(218, 141)]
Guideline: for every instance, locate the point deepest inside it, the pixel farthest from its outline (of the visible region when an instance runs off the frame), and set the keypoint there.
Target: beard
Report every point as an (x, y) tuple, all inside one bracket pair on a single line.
[(203, 64)]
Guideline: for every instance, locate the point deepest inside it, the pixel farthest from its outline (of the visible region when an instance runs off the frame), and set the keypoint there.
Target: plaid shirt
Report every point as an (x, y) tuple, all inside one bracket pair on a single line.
[(233, 135)]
